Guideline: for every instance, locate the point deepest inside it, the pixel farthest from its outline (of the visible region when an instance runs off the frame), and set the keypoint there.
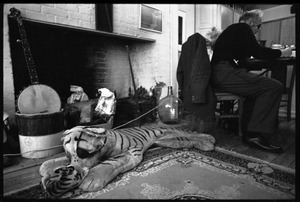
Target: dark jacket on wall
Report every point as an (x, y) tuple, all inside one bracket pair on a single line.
[(193, 76)]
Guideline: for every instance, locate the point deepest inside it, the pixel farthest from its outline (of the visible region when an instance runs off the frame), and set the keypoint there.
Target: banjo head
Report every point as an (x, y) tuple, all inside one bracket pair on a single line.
[(38, 98)]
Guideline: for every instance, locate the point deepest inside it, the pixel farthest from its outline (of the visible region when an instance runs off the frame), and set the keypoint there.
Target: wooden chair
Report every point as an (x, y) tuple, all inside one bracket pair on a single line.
[(281, 75), (225, 96), (286, 100)]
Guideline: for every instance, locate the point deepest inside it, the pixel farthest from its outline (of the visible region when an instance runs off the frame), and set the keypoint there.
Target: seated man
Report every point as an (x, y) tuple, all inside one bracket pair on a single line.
[(262, 95)]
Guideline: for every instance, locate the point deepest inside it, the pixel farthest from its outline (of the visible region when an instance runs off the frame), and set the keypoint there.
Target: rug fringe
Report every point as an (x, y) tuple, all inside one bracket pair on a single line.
[(286, 169)]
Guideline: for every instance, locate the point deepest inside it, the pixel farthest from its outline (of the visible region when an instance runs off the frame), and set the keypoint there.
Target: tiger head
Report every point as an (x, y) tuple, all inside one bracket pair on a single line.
[(82, 143)]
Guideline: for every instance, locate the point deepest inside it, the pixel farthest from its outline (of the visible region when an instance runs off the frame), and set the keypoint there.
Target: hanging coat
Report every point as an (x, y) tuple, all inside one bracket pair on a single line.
[(193, 76)]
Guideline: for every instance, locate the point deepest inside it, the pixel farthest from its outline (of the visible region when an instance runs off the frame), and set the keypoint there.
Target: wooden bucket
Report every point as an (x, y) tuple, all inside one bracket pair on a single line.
[(40, 134)]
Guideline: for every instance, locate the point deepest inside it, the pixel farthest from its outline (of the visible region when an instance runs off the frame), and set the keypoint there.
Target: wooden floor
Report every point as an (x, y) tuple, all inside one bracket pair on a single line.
[(24, 173)]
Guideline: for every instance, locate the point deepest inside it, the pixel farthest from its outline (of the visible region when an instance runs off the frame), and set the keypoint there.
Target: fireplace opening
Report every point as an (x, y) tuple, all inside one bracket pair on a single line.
[(65, 57)]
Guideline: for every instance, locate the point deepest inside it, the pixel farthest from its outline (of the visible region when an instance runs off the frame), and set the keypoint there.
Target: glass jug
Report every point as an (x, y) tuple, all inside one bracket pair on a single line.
[(170, 108)]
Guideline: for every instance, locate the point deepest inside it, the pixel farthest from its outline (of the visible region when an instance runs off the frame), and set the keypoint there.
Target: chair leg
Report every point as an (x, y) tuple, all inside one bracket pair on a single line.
[(288, 115), (241, 107), (290, 94), (288, 108)]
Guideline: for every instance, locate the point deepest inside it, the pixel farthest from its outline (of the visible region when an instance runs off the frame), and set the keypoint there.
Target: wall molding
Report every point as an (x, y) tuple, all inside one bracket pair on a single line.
[(276, 13)]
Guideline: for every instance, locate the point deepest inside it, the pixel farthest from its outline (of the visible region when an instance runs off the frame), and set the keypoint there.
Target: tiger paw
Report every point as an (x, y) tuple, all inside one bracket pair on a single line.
[(48, 167), (64, 179), (92, 183), (206, 142)]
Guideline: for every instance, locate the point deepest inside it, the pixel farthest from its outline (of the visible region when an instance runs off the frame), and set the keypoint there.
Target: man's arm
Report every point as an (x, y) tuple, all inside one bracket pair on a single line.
[(256, 50)]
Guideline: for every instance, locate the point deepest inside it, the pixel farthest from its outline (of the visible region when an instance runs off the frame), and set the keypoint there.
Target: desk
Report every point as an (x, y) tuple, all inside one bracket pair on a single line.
[(258, 64), (278, 67)]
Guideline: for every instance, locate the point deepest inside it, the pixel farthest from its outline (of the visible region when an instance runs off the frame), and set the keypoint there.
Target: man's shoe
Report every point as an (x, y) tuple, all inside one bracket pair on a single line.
[(261, 143)]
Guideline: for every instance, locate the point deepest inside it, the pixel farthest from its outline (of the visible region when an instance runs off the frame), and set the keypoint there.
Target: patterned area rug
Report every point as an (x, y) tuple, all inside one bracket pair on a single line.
[(193, 174)]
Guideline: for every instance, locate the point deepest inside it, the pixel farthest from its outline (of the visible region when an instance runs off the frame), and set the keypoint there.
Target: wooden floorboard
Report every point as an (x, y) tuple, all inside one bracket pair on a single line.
[(284, 136), (287, 158), (20, 163), (25, 172), (293, 165), (21, 179)]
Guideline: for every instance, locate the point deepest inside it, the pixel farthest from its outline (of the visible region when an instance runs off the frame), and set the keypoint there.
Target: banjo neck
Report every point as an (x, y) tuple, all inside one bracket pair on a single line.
[(27, 53), (36, 98)]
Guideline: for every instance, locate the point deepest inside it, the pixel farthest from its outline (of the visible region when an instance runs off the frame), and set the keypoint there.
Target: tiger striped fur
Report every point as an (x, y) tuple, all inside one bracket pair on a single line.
[(107, 153), (63, 180)]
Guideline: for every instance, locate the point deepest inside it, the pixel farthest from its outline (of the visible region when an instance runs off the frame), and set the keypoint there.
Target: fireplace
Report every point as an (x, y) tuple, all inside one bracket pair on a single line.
[(67, 56)]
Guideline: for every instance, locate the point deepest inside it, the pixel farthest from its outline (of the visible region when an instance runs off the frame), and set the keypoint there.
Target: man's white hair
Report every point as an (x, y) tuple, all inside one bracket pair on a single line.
[(253, 14)]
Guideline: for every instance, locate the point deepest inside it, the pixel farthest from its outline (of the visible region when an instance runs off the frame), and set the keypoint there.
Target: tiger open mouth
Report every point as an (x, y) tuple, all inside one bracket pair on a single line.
[(82, 153)]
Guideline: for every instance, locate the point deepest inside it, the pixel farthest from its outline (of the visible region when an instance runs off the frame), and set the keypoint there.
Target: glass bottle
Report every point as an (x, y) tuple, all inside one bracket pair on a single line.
[(170, 108)]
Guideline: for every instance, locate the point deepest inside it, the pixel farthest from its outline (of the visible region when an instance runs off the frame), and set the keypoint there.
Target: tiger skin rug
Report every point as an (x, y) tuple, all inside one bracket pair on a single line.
[(95, 156)]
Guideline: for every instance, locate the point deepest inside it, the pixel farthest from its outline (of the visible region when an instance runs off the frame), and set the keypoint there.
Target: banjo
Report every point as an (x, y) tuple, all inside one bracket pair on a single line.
[(36, 98)]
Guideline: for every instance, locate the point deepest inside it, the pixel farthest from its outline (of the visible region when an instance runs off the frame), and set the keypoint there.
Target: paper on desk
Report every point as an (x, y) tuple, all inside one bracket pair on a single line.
[(293, 54)]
